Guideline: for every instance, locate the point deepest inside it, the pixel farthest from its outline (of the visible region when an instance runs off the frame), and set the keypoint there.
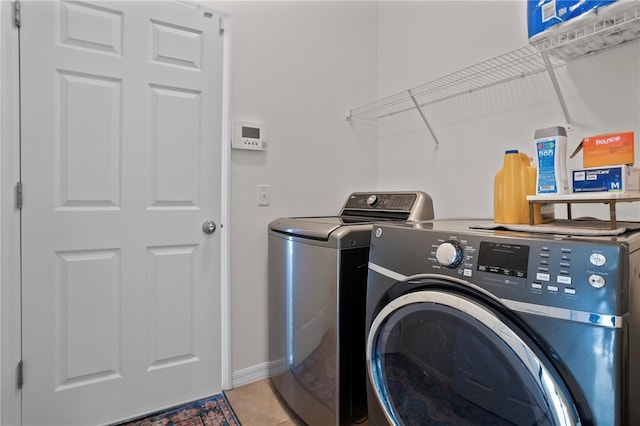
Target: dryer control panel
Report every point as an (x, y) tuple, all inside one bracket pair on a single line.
[(570, 274)]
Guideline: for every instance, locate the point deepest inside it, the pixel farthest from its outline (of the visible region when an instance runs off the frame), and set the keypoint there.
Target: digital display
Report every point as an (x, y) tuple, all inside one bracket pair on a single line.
[(250, 132), (401, 202), (505, 259)]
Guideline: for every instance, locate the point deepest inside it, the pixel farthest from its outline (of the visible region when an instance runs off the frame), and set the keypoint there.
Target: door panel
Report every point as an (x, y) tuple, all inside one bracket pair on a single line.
[(121, 154), (86, 317)]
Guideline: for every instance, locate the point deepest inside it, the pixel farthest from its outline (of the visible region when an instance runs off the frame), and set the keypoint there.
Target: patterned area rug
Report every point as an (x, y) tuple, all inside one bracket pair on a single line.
[(212, 411)]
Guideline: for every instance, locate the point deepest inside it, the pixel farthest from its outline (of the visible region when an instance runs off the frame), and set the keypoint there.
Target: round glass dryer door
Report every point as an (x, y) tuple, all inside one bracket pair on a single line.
[(435, 357)]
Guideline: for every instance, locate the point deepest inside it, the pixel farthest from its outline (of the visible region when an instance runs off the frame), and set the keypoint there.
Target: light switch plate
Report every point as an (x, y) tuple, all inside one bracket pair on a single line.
[(264, 195)]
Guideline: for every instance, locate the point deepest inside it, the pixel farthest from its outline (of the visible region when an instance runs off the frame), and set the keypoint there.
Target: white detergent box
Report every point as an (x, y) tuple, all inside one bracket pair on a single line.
[(621, 178)]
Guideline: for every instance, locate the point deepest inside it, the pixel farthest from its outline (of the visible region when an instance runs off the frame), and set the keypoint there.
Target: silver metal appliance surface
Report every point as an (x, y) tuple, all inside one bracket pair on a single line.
[(317, 283), (472, 326)]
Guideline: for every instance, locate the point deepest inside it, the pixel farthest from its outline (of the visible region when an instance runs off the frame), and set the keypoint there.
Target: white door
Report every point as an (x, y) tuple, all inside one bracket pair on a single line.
[(121, 106)]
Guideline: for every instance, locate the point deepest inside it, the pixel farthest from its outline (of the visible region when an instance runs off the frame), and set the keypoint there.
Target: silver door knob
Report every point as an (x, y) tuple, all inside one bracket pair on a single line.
[(209, 227)]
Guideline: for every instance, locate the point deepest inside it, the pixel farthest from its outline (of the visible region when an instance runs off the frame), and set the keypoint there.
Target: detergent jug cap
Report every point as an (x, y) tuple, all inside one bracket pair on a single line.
[(511, 151)]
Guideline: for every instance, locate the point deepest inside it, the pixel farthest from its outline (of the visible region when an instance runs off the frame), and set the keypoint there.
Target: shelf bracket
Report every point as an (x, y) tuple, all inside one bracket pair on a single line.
[(433, 135), (556, 87)]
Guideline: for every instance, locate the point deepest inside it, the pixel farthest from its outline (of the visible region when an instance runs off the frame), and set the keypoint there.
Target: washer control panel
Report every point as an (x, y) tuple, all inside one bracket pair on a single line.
[(402, 205), (381, 201)]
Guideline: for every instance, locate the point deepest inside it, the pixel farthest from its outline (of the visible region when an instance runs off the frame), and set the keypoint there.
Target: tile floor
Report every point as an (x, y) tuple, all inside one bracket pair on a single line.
[(257, 404)]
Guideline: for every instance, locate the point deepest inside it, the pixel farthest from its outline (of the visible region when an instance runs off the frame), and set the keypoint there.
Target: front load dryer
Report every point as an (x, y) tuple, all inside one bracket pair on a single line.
[(501, 328)]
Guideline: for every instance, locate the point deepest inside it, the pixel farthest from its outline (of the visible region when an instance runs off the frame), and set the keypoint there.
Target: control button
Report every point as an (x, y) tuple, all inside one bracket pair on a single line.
[(552, 288), (544, 255), (597, 259), (542, 277), (521, 274), (565, 265), (373, 200), (596, 281), (467, 272), (569, 290), (536, 286), (563, 279), (565, 250), (543, 269), (449, 254)]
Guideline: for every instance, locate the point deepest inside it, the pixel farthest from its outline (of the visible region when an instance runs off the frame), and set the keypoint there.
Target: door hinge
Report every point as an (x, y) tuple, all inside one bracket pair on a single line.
[(17, 19), (20, 375), (221, 22), (19, 195)]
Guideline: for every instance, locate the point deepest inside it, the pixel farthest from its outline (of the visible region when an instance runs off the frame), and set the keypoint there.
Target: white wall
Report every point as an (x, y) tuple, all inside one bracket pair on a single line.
[(296, 66), (422, 41)]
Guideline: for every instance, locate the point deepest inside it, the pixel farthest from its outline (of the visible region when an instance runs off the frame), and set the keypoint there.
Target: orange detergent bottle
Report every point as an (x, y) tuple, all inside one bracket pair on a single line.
[(513, 182)]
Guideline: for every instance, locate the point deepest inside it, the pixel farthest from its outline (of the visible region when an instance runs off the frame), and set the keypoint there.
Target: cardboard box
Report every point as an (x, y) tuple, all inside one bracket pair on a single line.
[(544, 14), (620, 178), (606, 150)]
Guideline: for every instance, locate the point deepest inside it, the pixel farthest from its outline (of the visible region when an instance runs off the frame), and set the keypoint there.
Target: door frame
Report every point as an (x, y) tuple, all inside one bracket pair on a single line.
[(10, 226)]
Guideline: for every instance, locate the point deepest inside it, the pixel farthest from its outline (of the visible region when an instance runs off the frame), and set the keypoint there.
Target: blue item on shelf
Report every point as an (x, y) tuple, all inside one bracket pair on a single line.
[(543, 14)]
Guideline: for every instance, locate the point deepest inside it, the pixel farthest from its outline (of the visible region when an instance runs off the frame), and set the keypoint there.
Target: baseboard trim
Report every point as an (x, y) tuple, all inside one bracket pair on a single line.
[(257, 372)]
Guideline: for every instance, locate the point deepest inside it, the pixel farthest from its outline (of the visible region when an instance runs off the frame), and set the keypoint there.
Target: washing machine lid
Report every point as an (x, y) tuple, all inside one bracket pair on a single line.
[(318, 228)]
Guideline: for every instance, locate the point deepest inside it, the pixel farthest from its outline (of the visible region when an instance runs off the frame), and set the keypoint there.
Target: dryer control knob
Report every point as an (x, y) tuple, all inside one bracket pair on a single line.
[(449, 254), (373, 200)]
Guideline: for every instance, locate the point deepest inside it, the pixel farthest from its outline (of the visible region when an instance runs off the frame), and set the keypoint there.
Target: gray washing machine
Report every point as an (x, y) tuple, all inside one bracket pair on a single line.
[(502, 328), (317, 284)]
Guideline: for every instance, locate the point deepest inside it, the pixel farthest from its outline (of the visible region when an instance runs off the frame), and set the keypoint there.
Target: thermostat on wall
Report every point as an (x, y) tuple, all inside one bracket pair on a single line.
[(248, 136)]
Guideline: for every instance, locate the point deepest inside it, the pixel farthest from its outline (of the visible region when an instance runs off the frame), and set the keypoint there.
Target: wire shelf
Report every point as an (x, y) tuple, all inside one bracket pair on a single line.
[(513, 65), (615, 25)]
